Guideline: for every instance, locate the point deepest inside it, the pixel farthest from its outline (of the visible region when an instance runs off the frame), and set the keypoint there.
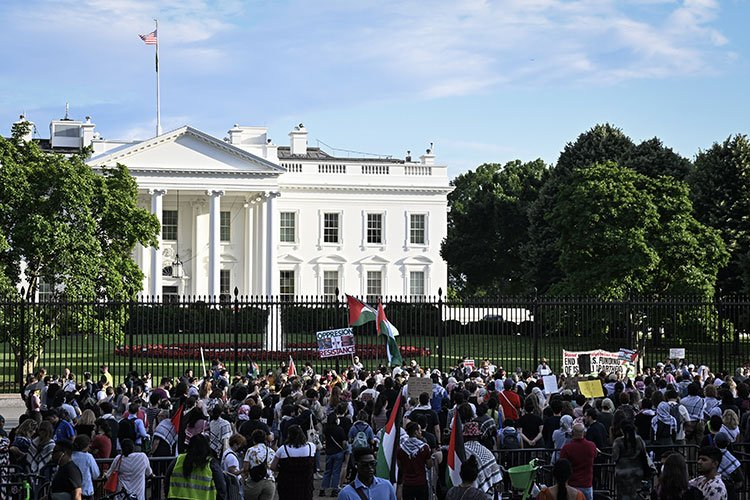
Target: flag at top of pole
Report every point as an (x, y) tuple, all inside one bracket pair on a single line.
[(152, 39), (359, 312), (292, 371), (390, 332)]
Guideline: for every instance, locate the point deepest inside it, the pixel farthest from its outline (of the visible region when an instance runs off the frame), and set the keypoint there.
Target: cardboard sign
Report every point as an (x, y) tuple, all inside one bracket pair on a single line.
[(333, 343), (550, 384), (591, 388), (469, 363), (418, 385), (677, 353)]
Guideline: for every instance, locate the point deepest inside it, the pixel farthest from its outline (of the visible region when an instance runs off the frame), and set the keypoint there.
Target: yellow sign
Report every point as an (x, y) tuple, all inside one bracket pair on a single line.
[(591, 388)]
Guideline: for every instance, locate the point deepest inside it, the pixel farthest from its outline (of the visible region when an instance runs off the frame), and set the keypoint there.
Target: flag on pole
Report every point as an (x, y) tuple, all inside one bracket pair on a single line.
[(387, 466), (150, 39), (254, 370), (390, 332), (176, 419), (456, 454), (359, 312), (292, 371)]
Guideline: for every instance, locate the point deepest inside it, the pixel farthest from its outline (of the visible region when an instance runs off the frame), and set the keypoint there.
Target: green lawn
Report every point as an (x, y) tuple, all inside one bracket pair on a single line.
[(82, 354)]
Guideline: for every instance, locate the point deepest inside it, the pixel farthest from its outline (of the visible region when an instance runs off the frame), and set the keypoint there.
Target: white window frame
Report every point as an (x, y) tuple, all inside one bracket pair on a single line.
[(296, 227), (176, 226), (295, 277), (412, 295), (383, 280), (407, 223), (383, 232), (323, 272), (222, 226), (321, 228)]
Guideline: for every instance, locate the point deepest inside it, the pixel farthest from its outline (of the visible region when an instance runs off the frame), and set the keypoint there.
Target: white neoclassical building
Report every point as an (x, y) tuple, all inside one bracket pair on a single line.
[(278, 220)]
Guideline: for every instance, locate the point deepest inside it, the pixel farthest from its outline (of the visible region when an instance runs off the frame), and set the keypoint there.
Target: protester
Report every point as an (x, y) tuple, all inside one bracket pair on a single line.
[(466, 490), (259, 479), (67, 479), (365, 484), (561, 490), (708, 480), (133, 468), (581, 453), (295, 464), (86, 465), (631, 462), (415, 458), (336, 446), (194, 475)]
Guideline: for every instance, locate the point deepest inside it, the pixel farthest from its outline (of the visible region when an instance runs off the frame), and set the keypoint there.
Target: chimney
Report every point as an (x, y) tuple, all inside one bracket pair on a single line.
[(298, 138), (30, 128), (235, 134), (428, 158), (87, 133)]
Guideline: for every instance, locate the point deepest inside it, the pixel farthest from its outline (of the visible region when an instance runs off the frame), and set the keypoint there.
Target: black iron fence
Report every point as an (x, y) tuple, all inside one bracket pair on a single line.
[(167, 337)]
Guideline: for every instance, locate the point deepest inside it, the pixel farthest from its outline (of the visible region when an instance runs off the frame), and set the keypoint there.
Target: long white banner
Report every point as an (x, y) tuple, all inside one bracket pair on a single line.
[(622, 362)]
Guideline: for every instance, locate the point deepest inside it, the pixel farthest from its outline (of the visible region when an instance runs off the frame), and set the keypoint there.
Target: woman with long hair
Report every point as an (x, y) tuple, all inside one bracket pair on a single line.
[(629, 456), (336, 447), (561, 471), (40, 452), (85, 424), (21, 443), (194, 470), (132, 467), (730, 424), (295, 463), (672, 483), (380, 413)]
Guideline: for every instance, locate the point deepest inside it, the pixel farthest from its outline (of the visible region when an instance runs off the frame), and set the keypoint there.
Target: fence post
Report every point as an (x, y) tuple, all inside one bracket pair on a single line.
[(628, 326), (536, 325), (22, 342), (131, 342), (441, 330), (720, 317), (236, 328)]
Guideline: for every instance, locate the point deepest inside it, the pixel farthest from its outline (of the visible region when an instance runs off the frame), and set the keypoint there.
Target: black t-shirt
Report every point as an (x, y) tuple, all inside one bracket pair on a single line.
[(551, 424), (431, 415), (529, 424), (247, 428), (67, 478)]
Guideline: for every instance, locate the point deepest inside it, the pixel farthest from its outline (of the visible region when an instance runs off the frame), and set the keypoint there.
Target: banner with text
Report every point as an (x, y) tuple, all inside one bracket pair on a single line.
[(332, 343), (584, 362)]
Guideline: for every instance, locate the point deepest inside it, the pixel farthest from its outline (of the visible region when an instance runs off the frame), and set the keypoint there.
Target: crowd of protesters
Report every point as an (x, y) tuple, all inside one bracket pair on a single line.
[(279, 434)]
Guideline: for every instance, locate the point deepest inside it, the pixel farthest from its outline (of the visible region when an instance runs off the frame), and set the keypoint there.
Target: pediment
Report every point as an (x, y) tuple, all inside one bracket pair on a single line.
[(417, 260), (289, 259), (374, 259), (186, 150), (329, 259)]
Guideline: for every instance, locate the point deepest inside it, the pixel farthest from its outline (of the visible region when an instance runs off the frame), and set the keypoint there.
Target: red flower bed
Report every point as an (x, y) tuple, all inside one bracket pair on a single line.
[(252, 350)]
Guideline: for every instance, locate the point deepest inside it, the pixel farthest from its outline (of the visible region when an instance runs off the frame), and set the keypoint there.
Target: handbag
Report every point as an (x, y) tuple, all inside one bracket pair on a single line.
[(110, 486), (312, 436)]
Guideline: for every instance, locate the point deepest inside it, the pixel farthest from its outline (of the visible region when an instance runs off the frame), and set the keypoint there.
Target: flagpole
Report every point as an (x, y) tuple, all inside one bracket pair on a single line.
[(158, 89)]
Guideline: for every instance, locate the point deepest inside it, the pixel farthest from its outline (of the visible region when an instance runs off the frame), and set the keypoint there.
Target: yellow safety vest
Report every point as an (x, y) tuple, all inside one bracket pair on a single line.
[(199, 486)]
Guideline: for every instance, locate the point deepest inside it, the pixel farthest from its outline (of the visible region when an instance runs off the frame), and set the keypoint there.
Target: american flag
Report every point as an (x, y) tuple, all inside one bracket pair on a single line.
[(149, 39)]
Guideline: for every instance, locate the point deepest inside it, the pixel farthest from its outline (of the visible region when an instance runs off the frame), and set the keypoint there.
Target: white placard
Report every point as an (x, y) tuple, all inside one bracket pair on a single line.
[(550, 384), (677, 353)]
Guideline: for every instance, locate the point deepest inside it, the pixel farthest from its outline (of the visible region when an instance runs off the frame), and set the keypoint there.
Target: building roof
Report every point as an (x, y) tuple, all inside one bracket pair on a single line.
[(285, 154)]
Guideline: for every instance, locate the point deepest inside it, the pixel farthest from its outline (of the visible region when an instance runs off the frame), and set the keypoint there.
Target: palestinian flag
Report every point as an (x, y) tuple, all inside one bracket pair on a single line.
[(176, 418), (359, 312), (292, 371), (386, 329), (387, 467), (456, 453)]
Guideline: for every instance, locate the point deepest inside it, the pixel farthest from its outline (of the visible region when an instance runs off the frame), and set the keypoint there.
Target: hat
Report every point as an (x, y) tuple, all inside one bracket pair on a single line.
[(471, 429), (243, 412), (691, 366), (660, 365), (722, 440)]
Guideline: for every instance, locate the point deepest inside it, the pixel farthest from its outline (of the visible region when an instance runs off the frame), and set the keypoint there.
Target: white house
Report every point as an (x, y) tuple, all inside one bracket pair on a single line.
[(278, 220)]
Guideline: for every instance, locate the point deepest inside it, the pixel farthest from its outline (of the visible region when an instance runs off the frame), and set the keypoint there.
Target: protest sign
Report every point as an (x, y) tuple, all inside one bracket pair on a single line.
[(585, 362), (677, 353), (418, 385), (550, 384), (469, 363), (333, 343), (591, 388)]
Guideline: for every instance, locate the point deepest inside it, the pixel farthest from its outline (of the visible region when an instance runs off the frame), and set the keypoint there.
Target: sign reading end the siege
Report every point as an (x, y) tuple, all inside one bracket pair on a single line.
[(332, 343)]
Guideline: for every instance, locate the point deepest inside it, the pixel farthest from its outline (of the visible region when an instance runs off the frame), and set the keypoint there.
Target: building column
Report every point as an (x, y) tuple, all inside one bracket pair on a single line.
[(157, 199), (272, 231), (214, 242), (250, 258)]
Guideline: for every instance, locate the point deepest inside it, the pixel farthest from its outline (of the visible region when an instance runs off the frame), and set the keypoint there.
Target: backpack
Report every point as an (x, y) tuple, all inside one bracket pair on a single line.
[(664, 432), (260, 471), (509, 439), (674, 410), (234, 487), (126, 429), (360, 440)]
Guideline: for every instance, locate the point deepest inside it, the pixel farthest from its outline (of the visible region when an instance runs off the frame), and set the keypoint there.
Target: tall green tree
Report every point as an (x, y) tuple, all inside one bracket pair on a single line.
[(720, 189), (487, 227), (73, 229), (653, 159), (602, 143), (624, 233)]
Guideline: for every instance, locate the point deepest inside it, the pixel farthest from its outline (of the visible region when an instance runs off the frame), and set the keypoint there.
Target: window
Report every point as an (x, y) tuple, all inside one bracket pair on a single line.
[(417, 229), (46, 291), (331, 228), (169, 225), (374, 228), (225, 226), (374, 285), (330, 283), (416, 283), (288, 229), (286, 285), (169, 294), (225, 285)]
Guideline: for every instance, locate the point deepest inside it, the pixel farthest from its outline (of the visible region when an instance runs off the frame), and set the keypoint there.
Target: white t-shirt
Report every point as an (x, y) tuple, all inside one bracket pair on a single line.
[(286, 451), (229, 460)]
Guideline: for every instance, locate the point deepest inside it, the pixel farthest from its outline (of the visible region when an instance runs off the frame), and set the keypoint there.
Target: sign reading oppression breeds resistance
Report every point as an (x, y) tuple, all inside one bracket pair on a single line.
[(585, 362), (333, 343)]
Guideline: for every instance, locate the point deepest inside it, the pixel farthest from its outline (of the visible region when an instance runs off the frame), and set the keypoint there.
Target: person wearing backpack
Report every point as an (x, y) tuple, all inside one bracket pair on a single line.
[(680, 414), (361, 434), (230, 465), (509, 439), (259, 480), (663, 429)]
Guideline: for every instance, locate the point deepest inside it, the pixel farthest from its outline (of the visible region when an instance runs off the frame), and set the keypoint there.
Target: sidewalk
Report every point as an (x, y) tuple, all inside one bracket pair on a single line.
[(11, 407)]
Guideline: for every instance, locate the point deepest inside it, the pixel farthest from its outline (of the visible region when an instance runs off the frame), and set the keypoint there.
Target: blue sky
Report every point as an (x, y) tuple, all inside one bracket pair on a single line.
[(486, 81)]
